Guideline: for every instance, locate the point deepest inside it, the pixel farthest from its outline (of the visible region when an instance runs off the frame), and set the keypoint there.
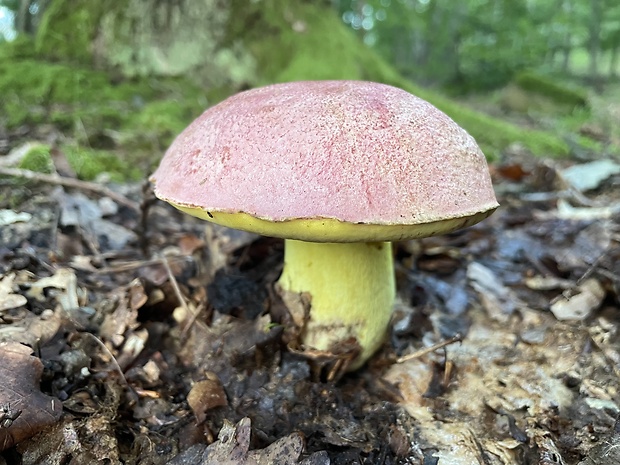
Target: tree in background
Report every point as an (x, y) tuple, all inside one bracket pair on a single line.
[(609, 31), (473, 44), (26, 13), (478, 44)]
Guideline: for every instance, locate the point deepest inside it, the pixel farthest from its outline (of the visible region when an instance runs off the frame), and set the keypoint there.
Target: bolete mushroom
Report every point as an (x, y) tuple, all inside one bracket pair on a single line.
[(338, 169)]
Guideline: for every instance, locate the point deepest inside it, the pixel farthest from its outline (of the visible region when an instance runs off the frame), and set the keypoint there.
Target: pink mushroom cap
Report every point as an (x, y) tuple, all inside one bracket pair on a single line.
[(351, 151)]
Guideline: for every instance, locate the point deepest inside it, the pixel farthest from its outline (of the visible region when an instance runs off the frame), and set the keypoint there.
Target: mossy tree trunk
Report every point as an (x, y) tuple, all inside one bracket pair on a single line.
[(69, 29), (594, 41), (23, 22), (613, 61)]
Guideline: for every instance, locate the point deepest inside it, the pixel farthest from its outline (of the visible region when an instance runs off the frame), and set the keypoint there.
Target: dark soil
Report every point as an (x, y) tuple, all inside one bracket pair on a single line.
[(156, 332)]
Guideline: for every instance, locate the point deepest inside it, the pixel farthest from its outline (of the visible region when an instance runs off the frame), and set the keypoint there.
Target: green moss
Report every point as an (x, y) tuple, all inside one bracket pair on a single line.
[(37, 159), (494, 134), (20, 48), (300, 41), (137, 117), (143, 115), (552, 89), (79, 22), (31, 87), (89, 163), (514, 99), (162, 120), (36, 82)]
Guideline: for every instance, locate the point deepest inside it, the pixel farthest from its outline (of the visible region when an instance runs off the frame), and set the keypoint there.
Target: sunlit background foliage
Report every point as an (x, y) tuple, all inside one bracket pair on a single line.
[(472, 43), (127, 75), (482, 43)]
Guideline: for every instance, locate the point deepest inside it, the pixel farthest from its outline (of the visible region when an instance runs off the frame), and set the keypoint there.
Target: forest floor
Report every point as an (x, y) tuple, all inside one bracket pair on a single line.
[(131, 333)]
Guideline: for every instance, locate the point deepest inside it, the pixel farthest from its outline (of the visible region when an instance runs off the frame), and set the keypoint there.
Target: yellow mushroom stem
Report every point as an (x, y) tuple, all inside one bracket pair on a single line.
[(351, 283), (352, 288)]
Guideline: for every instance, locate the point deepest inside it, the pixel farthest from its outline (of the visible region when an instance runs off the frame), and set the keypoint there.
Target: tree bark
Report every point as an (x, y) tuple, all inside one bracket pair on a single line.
[(23, 24), (567, 39), (594, 41), (613, 61)]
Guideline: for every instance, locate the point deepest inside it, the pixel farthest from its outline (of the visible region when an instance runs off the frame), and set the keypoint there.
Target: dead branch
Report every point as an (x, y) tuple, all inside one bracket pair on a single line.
[(70, 182)]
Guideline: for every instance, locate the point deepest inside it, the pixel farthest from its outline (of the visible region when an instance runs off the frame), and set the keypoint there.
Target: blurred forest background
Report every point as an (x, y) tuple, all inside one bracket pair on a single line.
[(111, 82)]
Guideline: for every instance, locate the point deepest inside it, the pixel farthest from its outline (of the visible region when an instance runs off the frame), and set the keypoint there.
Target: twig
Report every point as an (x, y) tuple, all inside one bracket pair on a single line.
[(189, 310), (428, 350), (134, 265), (70, 182), (148, 200), (192, 320), (175, 285), (114, 362), (568, 293)]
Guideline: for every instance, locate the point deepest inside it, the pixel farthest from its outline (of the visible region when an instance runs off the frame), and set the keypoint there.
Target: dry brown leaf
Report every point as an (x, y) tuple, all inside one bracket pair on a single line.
[(20, 374), (589, 296), (232, 448), (205, 395), (31, 330), (137, 295), (89, 441), (9, 300), (498, 300), (190, 243), (125, 314), (65, 280), (588, 176)]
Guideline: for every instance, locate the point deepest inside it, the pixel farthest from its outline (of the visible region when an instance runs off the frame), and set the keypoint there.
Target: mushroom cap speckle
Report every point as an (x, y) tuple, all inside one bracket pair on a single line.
[(343, 151)]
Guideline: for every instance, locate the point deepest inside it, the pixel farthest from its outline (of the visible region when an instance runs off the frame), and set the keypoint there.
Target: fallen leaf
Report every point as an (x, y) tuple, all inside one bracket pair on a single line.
[(547, 283), (9, 300), (65, 280), (590, 295), (513, 172), (498, 300), (79, 441), (206, 395), (284, 451), (189, 243), (588, 176), (232, 448), (31, 330), (10, 217), (546, 450), (78, 210), (566, 211), (412, 379), (124, 316), (20, 374)]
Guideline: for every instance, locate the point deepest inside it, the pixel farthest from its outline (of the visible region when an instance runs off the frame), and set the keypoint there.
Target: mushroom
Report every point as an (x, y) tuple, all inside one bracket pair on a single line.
[(338, 169)]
